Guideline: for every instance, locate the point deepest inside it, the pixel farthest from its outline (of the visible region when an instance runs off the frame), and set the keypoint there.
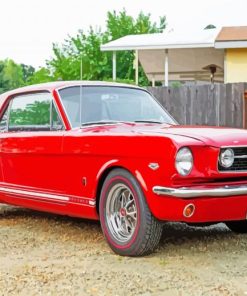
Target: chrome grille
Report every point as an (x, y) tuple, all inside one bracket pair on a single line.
[(240, 160)]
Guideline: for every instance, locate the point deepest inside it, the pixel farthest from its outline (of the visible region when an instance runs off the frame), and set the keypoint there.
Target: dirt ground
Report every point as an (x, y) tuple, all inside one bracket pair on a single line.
[(42, 254)]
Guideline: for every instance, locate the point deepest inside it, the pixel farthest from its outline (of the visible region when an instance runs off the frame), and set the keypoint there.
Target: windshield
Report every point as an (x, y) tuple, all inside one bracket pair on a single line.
[(111, 104)]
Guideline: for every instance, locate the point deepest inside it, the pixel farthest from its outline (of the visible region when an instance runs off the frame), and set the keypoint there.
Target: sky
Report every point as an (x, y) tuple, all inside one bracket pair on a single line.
[(29, 27)]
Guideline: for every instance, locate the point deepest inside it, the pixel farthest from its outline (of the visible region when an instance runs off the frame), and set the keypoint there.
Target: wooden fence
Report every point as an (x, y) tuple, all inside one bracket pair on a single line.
[(220, 105)]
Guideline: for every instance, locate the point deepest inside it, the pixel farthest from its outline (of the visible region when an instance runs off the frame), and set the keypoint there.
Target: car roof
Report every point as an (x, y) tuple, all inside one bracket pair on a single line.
[(61, 84), (50, 86)]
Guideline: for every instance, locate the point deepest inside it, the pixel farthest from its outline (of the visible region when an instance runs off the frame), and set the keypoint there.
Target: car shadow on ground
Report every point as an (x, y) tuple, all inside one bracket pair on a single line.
[(9, 212), (181, 233), (173, 233)]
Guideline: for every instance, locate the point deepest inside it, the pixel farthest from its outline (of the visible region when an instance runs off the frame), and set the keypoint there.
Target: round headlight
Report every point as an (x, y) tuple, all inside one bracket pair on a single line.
[(227, 158), (184, 161)]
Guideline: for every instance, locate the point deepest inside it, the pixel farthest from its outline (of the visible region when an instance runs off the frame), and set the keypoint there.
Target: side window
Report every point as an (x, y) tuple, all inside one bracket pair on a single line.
[(56, 122), (71, 101), (30, 112), (3, 121)]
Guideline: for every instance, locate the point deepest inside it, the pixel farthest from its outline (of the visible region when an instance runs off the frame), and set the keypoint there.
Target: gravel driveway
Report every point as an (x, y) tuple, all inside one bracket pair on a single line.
[(42, 254)]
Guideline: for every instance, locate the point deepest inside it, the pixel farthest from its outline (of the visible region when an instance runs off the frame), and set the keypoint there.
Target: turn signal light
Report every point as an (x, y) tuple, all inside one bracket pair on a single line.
[(189, 211)]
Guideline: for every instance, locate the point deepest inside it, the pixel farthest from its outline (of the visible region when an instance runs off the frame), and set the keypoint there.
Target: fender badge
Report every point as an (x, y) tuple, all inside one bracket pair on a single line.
[(153, 166)]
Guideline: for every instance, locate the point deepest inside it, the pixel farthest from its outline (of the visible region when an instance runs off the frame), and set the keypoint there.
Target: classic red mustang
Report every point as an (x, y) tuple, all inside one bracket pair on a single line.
[(111, 152)]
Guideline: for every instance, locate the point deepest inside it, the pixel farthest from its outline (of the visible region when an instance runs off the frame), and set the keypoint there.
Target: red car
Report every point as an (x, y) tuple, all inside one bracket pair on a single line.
[(109, 151)]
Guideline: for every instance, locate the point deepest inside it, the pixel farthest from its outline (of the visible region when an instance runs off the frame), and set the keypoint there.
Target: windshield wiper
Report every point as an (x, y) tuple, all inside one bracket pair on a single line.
[(154, 121), (101, 122), (148, 121)]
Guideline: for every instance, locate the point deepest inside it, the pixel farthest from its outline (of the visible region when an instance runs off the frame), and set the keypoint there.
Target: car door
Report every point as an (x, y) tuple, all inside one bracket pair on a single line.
[(31, 151)]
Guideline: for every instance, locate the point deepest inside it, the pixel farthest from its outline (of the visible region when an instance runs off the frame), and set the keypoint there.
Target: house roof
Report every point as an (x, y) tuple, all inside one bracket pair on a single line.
[(190, 51), (232, 37), (167, 40), (232, 34)]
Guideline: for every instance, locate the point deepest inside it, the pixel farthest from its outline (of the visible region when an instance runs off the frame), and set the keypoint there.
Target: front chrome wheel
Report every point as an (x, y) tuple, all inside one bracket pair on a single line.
[(121, 212), (127, 223)]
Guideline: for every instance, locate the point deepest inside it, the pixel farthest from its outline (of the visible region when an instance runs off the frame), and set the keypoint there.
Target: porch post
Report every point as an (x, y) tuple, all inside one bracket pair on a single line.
[(166, 68), (153, 81), (136, 67), (114, 66)]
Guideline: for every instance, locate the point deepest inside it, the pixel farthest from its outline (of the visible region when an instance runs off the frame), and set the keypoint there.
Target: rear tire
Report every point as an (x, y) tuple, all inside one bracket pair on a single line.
[(127, 223), (237, 226)]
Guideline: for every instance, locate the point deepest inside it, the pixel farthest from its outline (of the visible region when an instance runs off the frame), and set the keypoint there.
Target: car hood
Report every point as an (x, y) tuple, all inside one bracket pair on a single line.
[(212, 136)]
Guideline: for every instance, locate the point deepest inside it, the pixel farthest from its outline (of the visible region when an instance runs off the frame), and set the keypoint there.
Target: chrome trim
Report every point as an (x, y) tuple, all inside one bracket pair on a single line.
[(92, 202), (41, 195), (51, 103), (153, 166), (240, 156), (233, 146), (8, 113), (230, 171), (98, 84), (185, 192), (36, 194)]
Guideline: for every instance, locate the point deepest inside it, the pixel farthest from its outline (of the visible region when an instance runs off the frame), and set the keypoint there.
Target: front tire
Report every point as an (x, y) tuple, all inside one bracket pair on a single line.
[(127, 223), (237, 226)]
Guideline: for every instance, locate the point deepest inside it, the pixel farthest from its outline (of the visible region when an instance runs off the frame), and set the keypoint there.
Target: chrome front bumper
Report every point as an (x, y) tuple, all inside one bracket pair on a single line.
[(185, 192)]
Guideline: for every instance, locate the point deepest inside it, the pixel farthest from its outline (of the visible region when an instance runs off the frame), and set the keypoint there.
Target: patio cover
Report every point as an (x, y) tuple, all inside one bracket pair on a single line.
[(184, 55)]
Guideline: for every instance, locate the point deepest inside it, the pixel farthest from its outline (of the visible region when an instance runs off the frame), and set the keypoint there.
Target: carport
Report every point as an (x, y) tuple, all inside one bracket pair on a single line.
[(171, 55)]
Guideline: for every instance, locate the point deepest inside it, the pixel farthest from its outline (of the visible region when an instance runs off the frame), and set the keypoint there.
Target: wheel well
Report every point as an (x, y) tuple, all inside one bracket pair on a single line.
[(101, 182)]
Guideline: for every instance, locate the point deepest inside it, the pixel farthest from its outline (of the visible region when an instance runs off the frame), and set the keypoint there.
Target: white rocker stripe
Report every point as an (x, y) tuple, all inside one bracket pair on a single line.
[(29, 193), (90, 202)]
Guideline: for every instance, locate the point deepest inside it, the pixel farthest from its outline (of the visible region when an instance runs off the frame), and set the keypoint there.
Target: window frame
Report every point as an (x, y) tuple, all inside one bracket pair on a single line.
[(7, 108)]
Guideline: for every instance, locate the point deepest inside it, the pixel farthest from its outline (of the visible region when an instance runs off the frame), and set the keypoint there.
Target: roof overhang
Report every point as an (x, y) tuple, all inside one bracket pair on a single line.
[(144, 47), (231, 44), (167, 40)]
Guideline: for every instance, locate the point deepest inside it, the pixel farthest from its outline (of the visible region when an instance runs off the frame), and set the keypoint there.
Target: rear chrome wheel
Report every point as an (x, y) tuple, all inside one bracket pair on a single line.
[(127, 223)]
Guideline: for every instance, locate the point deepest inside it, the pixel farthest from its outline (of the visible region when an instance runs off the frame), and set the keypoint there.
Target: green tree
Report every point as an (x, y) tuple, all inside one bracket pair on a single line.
[(13, 74), (84, 48), (119, 25), (3, 82), (97, 65), (40, 76), (27, 71)]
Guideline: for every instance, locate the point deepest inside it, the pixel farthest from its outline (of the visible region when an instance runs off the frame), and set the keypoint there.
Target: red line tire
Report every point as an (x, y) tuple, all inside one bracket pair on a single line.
[(127, 223)]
